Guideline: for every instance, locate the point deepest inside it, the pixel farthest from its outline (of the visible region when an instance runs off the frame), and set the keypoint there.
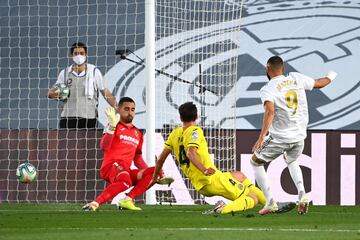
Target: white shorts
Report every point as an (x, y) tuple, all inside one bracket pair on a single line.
[(271, 149)]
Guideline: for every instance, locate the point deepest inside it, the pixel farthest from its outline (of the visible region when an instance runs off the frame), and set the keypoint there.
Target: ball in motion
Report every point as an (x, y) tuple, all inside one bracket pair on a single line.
[(26, 173)]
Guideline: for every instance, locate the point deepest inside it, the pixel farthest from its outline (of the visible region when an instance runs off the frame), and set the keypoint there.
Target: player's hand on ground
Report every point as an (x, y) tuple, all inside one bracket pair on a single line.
[(209, 171), (165, 180), (112, 116)]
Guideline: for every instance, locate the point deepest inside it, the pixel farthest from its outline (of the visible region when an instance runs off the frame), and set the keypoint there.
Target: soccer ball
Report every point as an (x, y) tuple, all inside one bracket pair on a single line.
[(26, 173), (63, 90)]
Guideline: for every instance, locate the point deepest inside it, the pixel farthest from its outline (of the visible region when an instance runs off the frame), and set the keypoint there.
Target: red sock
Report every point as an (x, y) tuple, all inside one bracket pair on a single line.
[(142, 184), (113, 189)]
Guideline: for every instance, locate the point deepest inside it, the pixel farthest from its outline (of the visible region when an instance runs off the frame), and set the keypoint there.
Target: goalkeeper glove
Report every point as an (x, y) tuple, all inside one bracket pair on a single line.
[(113, 119)]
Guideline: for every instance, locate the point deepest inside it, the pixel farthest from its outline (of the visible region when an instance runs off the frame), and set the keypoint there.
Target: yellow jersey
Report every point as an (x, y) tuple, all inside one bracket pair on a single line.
[(179, 141)]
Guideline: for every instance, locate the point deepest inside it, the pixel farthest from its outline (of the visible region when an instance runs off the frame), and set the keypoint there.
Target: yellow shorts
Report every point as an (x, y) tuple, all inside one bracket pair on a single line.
[(224, 184)]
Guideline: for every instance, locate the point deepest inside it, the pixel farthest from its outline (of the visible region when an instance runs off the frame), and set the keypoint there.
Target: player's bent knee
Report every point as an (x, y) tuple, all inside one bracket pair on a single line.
[(256, 161), (289, 161), (144, 172), (150, 170), (124, 177), (253, 196)]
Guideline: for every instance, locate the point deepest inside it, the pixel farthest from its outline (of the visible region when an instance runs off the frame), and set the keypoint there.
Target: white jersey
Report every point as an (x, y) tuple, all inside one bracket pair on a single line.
[(78, 103), (291, 109)]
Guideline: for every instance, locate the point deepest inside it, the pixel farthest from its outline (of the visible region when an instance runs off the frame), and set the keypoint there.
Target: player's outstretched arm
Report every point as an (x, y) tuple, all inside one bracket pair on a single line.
[(322, 82), (109, 97), (108, 136), (105, 142), (194, 158), (159, 164)]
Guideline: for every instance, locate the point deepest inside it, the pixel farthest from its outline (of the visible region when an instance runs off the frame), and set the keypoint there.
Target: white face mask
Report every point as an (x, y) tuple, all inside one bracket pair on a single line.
[(79, 59)]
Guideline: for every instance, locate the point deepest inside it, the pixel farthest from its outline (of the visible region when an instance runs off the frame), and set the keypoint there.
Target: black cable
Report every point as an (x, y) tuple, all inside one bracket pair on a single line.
[(123, 55)]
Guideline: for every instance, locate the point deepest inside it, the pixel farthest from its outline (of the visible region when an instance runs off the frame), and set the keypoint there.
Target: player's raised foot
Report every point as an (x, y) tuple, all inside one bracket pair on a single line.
[(165, 181), (90, 207), (284, 207), (303, 206), (128, 203), (270, 208)]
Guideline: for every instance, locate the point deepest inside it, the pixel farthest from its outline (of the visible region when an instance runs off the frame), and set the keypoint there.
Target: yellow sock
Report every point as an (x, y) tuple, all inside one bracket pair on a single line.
[(259, 194), (240, 204)]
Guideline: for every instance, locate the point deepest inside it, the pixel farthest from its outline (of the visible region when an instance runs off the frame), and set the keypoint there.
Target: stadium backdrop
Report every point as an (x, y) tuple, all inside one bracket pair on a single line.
[(333, 174)]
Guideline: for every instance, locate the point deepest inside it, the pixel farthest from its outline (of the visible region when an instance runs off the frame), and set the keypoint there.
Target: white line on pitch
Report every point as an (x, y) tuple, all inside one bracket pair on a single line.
[(203, 229), (249, 229)]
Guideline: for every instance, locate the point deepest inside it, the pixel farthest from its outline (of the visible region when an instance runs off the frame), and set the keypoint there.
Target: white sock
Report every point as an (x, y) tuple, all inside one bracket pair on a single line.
[(296, 175), (262, 181)]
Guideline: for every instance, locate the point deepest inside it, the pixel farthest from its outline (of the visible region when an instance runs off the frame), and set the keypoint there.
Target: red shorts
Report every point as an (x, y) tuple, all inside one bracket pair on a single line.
[(112, 172)]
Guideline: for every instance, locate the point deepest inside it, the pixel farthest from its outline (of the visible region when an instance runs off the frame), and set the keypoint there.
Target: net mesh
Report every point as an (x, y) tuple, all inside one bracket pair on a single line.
[(193, 42), (194, 39)]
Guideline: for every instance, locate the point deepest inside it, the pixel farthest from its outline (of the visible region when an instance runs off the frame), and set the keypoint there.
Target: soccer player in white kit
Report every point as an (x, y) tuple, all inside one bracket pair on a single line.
[(284, 127)]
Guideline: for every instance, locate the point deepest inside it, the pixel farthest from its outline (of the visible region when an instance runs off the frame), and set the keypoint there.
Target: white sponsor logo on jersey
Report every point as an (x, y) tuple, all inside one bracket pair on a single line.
[(129, 139)]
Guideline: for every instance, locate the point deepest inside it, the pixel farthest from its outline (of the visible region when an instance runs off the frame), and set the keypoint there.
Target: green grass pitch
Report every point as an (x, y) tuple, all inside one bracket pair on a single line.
[(67, 221)]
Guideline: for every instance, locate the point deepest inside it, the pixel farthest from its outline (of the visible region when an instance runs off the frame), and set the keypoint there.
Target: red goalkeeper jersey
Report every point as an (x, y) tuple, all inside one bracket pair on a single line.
[(123, 147)]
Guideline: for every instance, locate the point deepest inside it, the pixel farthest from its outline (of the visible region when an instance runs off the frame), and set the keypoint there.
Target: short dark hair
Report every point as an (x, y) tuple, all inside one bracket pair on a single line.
[(78, 45), (275, 62), (188, 112), (125, 99)]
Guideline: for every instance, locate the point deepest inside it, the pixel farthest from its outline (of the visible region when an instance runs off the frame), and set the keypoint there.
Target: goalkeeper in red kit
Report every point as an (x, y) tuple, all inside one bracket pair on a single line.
[(122, 144)]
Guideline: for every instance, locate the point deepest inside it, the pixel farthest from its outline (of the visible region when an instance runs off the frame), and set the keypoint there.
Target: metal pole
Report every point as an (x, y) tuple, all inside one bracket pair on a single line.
[(150, 90)]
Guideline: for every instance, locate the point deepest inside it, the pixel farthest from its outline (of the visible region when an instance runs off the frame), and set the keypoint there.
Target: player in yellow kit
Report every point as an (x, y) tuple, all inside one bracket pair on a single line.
[(191, 150)]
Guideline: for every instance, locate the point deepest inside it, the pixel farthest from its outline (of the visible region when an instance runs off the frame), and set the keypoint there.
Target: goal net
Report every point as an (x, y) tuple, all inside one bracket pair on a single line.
[(196, 42), (195, 45)]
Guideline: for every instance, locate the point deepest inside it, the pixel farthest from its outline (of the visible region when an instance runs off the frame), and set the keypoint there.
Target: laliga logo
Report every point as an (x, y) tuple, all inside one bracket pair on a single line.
[(313, 37)]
